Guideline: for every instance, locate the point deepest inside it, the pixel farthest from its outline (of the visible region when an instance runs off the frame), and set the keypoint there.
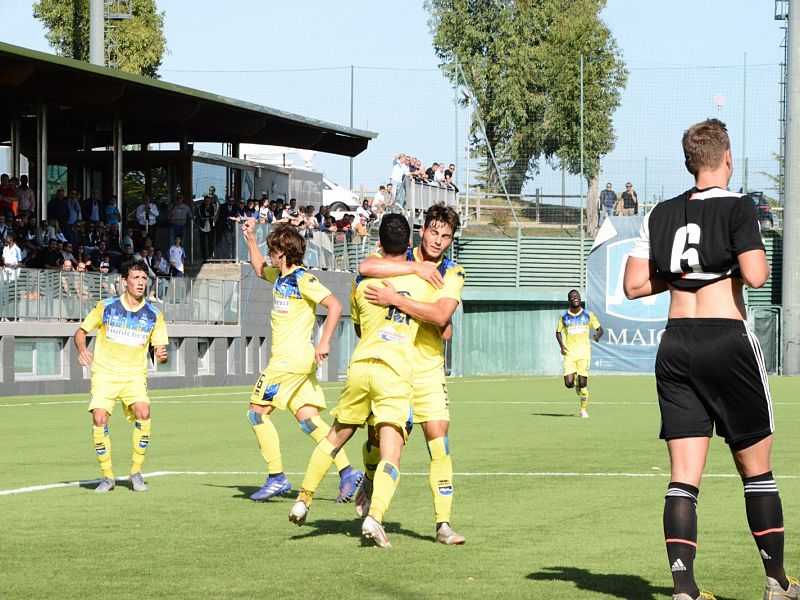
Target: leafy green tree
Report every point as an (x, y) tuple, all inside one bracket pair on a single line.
[(141, 39), (521, 60)]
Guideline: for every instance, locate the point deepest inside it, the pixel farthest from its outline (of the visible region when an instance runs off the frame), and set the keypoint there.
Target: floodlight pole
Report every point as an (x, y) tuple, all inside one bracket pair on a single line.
[(791, 217), (96, 33), (583, 195)]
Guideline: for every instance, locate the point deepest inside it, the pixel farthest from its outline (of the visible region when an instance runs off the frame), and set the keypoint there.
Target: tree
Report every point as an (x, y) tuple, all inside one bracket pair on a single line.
[(141, 38), (521, 60)]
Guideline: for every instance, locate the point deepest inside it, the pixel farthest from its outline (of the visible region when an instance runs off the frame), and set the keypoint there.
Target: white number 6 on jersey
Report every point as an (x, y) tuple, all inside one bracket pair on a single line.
[(690, 234)]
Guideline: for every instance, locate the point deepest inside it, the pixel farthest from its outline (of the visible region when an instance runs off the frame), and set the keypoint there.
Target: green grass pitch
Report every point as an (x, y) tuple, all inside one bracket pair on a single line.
[(553, 506)]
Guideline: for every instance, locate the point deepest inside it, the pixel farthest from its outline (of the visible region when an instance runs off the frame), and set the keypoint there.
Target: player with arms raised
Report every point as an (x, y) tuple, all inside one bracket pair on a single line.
[(572, 333), (127, 326), (289, 381), (703, 247)]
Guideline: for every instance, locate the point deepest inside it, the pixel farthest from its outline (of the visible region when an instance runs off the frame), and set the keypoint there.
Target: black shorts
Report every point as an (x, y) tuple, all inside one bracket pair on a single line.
[(710, 373)]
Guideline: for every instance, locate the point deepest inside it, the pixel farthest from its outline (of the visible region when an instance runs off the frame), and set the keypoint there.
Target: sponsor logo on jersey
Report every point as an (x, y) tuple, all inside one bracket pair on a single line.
[(390, 335), (280, 306)]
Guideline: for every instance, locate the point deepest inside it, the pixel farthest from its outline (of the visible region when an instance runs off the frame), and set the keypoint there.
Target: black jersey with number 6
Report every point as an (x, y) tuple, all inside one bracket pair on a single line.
[(695, 238)]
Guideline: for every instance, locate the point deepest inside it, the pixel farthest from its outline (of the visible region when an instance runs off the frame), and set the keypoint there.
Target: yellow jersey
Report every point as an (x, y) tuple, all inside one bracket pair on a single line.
[(575, 331), (124, 337), (294, 307), (429, 347), (387, 333)]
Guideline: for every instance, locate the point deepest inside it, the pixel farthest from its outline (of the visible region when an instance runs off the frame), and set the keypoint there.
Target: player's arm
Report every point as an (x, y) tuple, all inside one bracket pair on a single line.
[(84, 355), (641, 278), (598, 333), (380, 268), (754, 268), (447, 331), (595, 324), (334, 312), (92, 321), (438, 312), (161, 354), (159, 339), (257, 260), (561, 343)]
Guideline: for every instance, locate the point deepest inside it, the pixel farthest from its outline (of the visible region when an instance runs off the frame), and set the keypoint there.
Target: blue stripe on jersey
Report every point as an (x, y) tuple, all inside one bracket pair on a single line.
[(287, 287), (581, 318), (116, 315)]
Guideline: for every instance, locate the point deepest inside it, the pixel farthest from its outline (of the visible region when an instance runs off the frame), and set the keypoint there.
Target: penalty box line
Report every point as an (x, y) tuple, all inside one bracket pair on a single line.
[(542, 474)]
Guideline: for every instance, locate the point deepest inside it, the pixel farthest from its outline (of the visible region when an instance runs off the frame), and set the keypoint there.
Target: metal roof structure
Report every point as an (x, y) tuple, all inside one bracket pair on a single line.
[(84, 99)]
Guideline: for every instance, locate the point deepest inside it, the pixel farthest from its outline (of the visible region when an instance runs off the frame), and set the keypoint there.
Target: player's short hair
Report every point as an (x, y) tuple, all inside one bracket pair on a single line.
[(704, 145), (394, 233), (439, 213), (132, 265), (286, 239)]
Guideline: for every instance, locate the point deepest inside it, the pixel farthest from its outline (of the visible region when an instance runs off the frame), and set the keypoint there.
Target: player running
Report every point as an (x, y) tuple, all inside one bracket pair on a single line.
[(290, 379), (127, 326), (378, 383), (574, 325), (430, 401), (704, 246)]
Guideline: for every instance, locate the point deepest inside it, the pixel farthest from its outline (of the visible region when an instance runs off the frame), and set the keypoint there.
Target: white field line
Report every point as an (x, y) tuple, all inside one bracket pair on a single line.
[(329, 386), (543, 474)]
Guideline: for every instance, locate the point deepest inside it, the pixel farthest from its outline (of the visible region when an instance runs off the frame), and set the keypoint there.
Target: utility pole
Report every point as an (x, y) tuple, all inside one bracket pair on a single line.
[(791, 223), (96, 33)]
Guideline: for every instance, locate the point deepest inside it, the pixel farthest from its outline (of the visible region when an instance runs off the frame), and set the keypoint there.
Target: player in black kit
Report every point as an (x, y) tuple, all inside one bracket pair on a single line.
[(704, 246)]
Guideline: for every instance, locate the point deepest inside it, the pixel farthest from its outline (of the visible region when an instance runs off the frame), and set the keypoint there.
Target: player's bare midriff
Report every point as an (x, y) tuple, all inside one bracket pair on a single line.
[(719, 300)]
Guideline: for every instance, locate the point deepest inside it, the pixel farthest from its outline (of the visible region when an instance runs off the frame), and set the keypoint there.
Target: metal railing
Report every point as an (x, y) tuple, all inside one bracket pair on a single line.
[(52, 295), (337, 251)]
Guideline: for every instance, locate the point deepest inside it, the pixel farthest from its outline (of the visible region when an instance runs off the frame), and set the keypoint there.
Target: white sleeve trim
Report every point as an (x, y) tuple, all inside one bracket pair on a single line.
[(641, 249)]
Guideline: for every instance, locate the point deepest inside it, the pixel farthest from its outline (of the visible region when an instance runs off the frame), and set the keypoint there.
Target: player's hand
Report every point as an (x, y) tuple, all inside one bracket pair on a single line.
[(161, 354), (563, 352), (429, 272), (249, 227), (596, 337), (321, 352), (85, 357), (381, 296)]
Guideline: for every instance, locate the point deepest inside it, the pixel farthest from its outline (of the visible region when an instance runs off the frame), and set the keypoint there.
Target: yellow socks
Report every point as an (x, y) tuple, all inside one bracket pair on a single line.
[(318, 467), (141, 439), (441, 478), (317, 430), (268, 440), (387, 477), (372, 456), (102, 447), (583, 394)]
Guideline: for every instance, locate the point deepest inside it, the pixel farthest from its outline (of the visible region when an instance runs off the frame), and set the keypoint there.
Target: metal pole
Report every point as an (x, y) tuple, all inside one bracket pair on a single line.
[(41, 158), (118, 172), (645, 180), (583, 194), (491, 150), (96, 33), (744, 126), (352, 89), (791, 218)]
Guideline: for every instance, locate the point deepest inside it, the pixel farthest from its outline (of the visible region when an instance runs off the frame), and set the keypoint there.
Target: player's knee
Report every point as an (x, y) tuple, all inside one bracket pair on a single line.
[(438, 448), (141, 412), (99, 417)]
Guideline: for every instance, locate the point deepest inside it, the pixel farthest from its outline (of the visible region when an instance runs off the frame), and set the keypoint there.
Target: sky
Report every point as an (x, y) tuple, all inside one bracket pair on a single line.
[(680, 54)]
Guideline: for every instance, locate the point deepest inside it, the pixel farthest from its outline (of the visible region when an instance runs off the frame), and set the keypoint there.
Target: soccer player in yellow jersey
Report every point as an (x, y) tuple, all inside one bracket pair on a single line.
[(572, 334), (430, 401), (378, 383), (127, 326), (289, 381)]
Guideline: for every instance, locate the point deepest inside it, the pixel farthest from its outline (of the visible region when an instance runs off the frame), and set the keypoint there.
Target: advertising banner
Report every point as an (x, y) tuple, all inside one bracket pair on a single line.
[(633, 328)]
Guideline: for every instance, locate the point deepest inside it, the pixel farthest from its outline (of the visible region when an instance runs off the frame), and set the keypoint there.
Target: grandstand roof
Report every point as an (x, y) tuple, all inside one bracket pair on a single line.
[(85, 98)]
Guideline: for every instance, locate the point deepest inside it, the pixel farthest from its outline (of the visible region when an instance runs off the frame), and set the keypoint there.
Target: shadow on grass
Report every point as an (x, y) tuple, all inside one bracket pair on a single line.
[(616, 585), (571, 415), (352, 528), (245, 491)]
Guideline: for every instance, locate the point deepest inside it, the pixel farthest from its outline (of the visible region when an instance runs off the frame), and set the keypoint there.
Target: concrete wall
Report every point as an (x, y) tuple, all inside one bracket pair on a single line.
[(229, 362)]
